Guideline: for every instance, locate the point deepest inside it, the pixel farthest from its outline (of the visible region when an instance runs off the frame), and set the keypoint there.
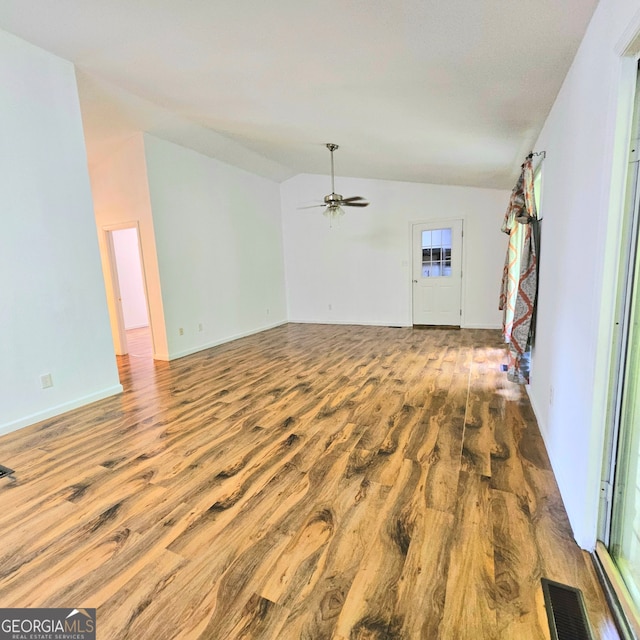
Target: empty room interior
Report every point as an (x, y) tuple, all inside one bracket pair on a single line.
[(320, 320)]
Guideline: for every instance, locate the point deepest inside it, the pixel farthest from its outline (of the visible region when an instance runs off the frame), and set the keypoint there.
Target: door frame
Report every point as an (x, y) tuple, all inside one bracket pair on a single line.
[(614, 317), (113, 287), (463, 261)]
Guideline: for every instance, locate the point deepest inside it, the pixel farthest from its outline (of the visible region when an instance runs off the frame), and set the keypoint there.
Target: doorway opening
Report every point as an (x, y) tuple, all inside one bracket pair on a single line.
[(131, 320)]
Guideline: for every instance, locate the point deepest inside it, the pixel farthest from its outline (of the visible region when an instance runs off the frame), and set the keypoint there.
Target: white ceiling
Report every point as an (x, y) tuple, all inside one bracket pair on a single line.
[(442, 91)]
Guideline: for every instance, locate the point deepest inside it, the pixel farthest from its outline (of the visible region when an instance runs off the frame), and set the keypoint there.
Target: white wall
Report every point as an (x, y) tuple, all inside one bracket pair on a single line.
[(581, 207), (362, 266), (53, 312), (219, 245), (121, 198), (130, 278)]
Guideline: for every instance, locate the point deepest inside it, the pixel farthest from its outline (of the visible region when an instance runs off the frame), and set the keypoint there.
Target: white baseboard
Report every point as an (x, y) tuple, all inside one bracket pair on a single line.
[(215, 343), (51, 412), (352, 323), (388, 324), (473, 325)]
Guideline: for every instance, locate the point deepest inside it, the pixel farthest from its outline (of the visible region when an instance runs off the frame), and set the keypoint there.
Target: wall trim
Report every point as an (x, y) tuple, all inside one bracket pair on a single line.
[(353, 323), (536, 412), (367, 323), (475, 325), (59, 409), (216, 343)]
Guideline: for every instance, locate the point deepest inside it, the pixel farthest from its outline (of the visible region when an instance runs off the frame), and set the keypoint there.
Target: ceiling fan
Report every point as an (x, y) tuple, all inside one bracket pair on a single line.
[(334, 202)]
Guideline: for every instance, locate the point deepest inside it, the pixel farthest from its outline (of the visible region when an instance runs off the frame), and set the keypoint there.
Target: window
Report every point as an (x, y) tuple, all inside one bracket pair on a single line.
[(436, 253), (537, 187)]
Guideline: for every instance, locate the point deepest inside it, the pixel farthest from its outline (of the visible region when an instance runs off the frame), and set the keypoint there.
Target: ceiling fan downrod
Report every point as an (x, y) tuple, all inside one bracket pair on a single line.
[(332, 147)]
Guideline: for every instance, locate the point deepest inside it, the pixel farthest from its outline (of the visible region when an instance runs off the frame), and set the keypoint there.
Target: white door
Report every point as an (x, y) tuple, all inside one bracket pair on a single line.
[(437, 273)]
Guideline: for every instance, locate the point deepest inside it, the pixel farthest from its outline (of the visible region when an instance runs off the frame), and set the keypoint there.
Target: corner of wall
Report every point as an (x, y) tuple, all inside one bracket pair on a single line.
[(51, 412), (121, 197)]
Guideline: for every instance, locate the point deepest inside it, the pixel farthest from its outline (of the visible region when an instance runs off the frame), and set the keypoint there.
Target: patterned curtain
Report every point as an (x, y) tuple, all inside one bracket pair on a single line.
[(520, 275)]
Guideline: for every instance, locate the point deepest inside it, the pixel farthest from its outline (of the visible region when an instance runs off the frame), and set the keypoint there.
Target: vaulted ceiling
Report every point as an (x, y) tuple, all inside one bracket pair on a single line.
[(451, 92)]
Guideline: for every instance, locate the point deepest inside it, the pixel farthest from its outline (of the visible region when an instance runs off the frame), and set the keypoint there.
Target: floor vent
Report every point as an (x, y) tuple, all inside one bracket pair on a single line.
[(5, 471), (565, 611)]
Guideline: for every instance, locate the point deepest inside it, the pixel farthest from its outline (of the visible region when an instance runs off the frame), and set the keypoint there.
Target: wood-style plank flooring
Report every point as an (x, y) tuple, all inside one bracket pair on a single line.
[(139, 342), (308, 482)]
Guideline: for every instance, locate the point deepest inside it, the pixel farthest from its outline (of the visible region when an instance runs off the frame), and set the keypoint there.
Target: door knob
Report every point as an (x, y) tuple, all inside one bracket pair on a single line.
[(416, 281)]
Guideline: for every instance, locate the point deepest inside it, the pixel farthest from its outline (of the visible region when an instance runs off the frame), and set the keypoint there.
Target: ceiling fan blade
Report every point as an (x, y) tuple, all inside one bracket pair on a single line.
[(313, 206), (352, 199), (354, 204)]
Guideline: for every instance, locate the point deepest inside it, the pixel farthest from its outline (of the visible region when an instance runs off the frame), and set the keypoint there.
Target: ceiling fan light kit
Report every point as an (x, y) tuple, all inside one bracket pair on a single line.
[(333, 212), (334, 202)]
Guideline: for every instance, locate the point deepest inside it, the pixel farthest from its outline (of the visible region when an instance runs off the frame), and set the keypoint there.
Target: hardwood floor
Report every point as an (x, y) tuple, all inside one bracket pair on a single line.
[(139, 342), (308, 482)]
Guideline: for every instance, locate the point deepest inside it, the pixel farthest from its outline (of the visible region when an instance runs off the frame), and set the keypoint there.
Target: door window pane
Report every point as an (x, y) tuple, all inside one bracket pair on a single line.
[(436, 253)]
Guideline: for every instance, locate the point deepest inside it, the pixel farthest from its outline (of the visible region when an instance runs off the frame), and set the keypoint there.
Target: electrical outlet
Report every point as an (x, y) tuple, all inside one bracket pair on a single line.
[(200, 326), (180, 331), (46, 381), (268, 311), (550, 396), (330, 307)]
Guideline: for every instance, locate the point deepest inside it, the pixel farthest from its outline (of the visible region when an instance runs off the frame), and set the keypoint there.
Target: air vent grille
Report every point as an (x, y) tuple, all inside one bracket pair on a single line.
[(565, 611), (6, 472)]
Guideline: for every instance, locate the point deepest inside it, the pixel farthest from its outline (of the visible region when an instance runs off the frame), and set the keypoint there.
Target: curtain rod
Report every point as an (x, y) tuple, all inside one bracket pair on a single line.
[(534, 153)]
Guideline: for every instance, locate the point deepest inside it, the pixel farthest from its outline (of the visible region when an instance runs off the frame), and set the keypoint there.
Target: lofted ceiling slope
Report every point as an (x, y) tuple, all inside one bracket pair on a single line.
[(451, 92)]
